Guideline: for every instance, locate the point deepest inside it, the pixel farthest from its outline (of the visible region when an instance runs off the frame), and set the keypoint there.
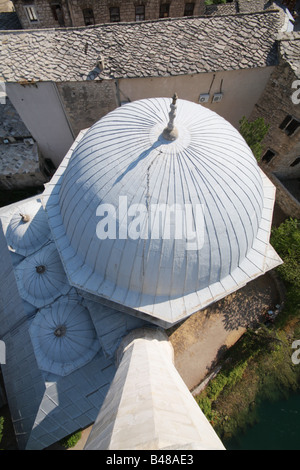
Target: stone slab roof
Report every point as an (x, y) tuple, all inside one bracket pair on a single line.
[(251, 5), (18, 158), (290, 50), (11, 125), (146, 49)]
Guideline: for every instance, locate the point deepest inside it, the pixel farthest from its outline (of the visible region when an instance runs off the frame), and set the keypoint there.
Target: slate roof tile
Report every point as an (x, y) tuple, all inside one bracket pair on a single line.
[(190, 45), (290, 50)]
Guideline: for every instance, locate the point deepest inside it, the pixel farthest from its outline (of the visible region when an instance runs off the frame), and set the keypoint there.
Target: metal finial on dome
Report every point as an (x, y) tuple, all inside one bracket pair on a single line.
[(40, 269), (25, 217), (60, 331), (170, 132)]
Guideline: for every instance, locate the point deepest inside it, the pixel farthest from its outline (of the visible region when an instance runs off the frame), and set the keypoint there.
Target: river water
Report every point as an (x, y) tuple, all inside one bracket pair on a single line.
[(278, 427)]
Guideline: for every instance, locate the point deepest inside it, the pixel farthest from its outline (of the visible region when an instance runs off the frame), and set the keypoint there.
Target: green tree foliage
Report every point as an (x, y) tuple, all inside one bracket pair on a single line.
[(259, 367), (286, 241), (214, 2), (71, 440), (254, 133), (1, 427)]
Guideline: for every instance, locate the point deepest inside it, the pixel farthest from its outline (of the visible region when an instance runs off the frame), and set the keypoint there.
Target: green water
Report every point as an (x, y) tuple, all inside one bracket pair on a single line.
[(278, 428)]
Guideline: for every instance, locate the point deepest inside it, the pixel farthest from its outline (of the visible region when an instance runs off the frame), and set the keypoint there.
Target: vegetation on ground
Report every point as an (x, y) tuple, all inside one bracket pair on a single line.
[(286, 241), (71, 440), (259, 366), (1, 427), (214, 2)]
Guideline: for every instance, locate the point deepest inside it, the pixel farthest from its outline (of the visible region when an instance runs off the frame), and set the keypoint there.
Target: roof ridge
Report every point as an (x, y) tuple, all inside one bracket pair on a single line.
[(141, 23)]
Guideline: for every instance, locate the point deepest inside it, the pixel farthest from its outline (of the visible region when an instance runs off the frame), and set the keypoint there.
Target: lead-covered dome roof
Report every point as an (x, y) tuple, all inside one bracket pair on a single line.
[(41, 278), (208, 173), (63, 336), (27, 229)]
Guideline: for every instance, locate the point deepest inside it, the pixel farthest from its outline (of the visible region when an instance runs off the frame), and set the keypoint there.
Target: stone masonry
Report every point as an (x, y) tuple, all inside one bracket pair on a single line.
[(86, 102), (276, 104), (35, 14), (58, 13), (20, 162), (20, 166), (279, 105)]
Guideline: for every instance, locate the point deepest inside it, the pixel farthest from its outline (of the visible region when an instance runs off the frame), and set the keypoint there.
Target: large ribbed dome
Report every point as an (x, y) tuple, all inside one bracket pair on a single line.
[(208, 172)]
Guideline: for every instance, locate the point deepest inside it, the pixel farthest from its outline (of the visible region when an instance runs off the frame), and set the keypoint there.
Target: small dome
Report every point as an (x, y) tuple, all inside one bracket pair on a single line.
[(28, 228), (63, 337), (207, 174), (41, 278)]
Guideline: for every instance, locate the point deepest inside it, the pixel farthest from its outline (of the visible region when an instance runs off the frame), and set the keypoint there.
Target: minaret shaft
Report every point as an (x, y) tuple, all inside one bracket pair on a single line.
[(148, 406)]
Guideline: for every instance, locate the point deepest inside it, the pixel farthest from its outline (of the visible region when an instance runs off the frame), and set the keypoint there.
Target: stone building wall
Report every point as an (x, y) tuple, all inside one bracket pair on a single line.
[(12, 128), (86, 102), (247, 6), (222, 9), (280, 150), (21, 164), (43, 12), (286, 201), (56, 13)]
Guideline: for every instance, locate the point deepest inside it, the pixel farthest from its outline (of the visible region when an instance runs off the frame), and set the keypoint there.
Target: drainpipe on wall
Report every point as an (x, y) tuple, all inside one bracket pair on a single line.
[(118, 92)]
